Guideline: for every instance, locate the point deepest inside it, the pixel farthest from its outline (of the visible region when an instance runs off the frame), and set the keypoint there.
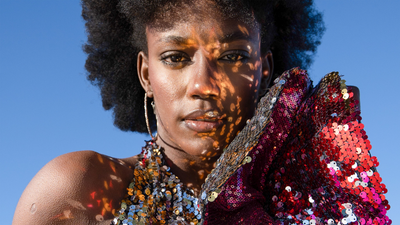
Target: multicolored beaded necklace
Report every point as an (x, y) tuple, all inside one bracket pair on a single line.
[(155, 195)]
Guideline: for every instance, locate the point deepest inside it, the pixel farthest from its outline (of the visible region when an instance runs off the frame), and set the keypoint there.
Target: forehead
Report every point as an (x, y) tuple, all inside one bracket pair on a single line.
[(204, 19), (210, 30)]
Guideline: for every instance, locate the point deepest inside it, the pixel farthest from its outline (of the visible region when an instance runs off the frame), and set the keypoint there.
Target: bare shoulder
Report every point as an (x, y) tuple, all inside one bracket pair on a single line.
[(82, 187)]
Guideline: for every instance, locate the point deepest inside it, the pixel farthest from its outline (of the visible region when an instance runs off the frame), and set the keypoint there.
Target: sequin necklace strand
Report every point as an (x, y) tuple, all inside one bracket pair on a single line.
[(155, 195)]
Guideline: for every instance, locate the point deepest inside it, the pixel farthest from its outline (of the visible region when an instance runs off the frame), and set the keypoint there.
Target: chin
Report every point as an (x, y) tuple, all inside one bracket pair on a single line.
[(206, 147)]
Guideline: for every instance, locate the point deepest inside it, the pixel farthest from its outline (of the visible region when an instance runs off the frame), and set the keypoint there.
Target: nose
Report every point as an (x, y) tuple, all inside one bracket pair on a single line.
[(204, 83)]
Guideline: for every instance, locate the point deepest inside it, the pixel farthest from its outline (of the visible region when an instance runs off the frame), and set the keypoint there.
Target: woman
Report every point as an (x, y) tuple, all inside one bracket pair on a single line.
[(205, 64)]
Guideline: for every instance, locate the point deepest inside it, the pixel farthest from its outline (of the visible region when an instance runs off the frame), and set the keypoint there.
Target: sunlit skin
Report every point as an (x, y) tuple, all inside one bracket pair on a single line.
[(198, 67), (205, 79), (76, 188)]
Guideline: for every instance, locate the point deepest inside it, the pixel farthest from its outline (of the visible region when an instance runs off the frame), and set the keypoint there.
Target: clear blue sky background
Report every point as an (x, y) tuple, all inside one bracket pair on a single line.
[(48, 108)]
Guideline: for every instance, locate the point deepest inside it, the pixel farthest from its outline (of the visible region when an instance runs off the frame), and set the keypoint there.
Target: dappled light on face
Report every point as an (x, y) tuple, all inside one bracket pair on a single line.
[(235, 68), (238, 120), (225, 87), (222, 131), (233, 107), (247, 77), (205, 87), (243, 29), (228, 91), (238, 100), (201, 174), (250, 49)]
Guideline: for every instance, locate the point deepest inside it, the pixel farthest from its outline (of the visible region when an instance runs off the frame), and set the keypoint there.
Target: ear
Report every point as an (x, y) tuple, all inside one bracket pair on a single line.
[(143, 73), (267, 72)]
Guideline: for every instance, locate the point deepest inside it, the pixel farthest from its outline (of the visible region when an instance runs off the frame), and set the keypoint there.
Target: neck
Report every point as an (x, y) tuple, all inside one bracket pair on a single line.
[(191, 170)]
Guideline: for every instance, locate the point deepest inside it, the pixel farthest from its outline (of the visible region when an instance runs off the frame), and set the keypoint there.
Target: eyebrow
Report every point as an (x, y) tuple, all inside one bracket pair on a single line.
[(181, 40), (237, 35)]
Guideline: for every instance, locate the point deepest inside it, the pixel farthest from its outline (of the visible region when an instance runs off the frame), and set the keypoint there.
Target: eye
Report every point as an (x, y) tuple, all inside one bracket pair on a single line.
[(235, 56), (175, 58)]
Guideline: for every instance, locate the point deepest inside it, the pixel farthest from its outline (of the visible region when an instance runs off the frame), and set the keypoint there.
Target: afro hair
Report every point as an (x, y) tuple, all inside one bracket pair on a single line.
[(291, 29)]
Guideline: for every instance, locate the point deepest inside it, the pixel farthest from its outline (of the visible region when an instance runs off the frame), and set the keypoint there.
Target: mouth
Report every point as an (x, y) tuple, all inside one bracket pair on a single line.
[(202, 121)]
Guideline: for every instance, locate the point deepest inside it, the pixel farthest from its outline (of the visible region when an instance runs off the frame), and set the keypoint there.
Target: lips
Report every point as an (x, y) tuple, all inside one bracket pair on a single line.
[(203, 121)]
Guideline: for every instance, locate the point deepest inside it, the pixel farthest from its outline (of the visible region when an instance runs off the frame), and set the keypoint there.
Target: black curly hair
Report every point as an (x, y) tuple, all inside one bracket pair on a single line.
[(291, 29)]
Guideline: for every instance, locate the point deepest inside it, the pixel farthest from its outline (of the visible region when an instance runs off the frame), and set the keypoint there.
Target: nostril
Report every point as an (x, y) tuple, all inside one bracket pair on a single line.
[(204, 87), (203, 95)]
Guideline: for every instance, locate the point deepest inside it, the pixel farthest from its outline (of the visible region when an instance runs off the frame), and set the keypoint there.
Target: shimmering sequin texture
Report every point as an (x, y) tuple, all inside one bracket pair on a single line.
[(311, 164), (155, 195), (302, 159)]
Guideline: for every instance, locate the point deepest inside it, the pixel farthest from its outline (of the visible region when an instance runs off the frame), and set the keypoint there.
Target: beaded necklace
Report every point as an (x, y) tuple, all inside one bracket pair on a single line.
[(155, 195)]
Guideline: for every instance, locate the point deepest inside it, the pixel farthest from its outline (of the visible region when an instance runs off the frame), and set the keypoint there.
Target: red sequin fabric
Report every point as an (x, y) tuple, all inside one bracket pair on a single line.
[(310, 163)]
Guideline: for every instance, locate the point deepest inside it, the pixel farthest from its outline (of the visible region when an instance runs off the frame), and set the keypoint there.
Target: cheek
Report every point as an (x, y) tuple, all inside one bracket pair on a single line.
[(167, 91), (160, 80), (248, 72), (246, 79)]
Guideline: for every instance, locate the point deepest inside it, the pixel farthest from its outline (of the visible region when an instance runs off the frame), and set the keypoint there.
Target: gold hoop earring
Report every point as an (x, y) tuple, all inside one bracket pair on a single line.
[(153, 105), (145, 115)]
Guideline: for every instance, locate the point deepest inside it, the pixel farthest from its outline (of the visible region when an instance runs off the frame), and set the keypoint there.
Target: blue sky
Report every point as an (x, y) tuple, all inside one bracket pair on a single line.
[(48, 108)]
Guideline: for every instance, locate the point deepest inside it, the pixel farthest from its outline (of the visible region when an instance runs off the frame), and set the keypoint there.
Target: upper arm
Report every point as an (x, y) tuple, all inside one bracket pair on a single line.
[(75, 188)]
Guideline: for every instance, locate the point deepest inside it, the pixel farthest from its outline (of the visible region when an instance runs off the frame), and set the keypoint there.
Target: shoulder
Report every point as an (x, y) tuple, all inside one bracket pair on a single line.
[(82, 187)]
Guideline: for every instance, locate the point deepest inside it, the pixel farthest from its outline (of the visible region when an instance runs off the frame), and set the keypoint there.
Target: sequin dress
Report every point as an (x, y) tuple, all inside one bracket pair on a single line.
[(302, 159)]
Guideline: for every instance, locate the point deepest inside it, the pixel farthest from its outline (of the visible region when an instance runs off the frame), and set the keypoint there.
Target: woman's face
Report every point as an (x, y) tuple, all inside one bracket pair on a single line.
[(205, 77)]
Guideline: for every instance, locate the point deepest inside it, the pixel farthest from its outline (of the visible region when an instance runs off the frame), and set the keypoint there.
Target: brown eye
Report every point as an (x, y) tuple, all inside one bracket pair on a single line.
[(176, 58), (233, 57)]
